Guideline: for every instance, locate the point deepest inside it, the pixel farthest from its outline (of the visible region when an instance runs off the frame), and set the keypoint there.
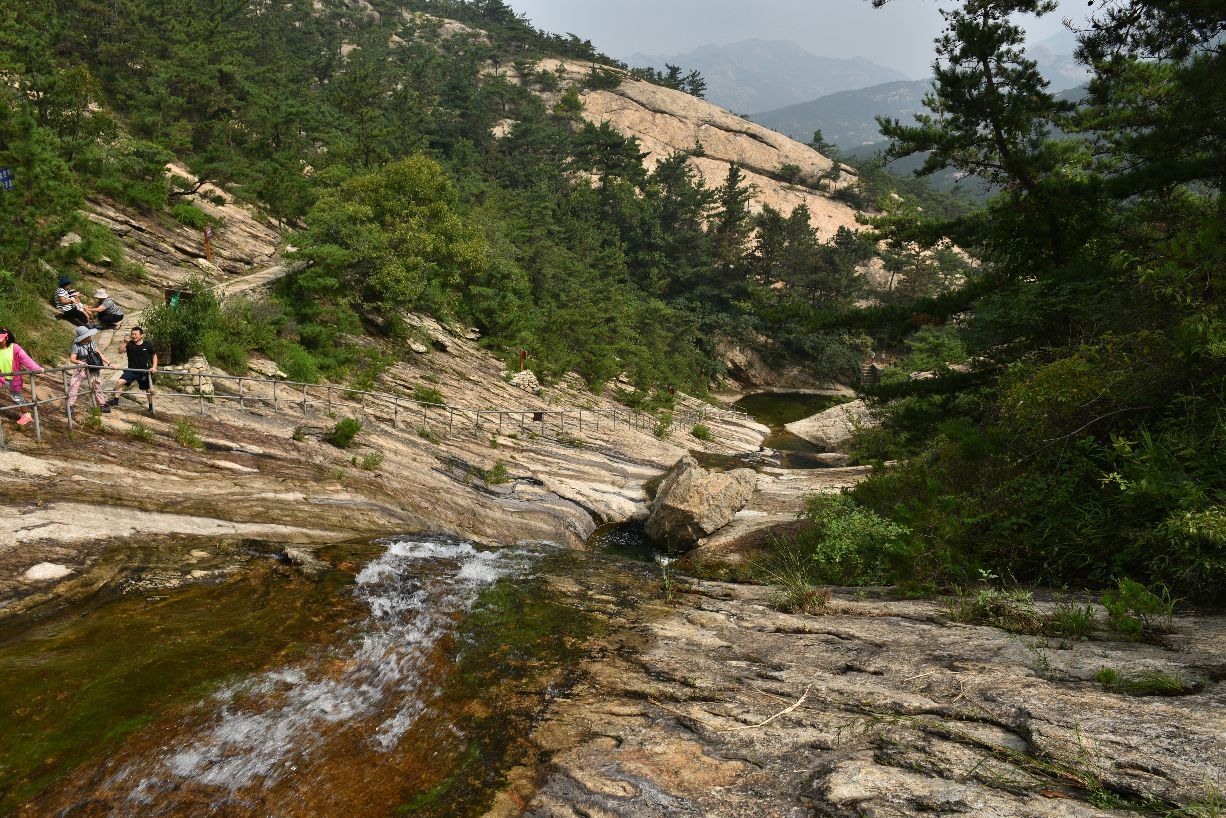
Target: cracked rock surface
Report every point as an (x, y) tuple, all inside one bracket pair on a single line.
[(725, 707)]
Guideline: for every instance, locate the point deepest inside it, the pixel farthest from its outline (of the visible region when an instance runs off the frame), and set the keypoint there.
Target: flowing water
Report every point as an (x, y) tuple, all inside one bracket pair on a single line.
[(404, 681)]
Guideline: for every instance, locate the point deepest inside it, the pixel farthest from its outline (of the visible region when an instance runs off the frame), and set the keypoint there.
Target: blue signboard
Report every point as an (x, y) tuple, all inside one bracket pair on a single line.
[(6, 178)]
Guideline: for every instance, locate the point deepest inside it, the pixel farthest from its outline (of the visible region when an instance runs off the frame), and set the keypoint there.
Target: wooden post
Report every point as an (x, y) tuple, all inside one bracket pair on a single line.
[(329, 398), (450, 420), (500, 423), (200, 389), (276, 408), (67, 408), (580, 420), (395, 413), (304, 400), (208, 243), (240, 394), (38, 425), (523, 356)]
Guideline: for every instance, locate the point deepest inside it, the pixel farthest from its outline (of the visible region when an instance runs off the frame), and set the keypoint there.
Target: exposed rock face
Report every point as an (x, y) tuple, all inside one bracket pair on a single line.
[(834, 427), (666, 121), (879, 708), (693, 502)]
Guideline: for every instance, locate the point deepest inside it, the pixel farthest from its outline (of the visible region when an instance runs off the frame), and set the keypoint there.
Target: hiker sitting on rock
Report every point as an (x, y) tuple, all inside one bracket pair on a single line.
[(105, 312), (89, 363), (14, 359), (67, 303), (141, 356)]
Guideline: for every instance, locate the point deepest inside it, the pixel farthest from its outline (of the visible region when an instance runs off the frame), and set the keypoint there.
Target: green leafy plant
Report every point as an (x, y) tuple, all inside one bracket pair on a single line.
[(497, 474), (1149, 683), (300, 433), (1012, 610), (790, 571), (851, 545), (344, 432), (189, 215), (701, 432), (664, 425), (141, 432), (428, 435), (368, 462), (1071, 620), (186, 435), (92, 419), (428, 394), (1136, 611)]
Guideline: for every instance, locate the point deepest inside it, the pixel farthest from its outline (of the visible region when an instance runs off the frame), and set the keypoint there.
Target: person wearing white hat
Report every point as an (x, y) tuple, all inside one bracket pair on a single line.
[(89, 360), (105, 312)]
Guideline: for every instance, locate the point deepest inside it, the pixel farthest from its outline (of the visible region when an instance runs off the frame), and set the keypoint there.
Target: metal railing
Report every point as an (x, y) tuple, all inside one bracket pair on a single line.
[(289, 395)]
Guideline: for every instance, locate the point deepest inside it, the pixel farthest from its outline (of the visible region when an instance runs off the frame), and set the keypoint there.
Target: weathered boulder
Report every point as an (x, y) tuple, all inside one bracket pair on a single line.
[(265, 367), (834, 427), (693, 502)]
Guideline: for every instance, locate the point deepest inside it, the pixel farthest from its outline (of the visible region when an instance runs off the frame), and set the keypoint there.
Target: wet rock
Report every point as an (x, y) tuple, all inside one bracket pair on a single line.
[(45, 572), (834, 427), (693, 502), (306, 562)]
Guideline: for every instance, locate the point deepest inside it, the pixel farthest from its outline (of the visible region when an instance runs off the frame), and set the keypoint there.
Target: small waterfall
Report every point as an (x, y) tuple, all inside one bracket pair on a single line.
[(375, 685)]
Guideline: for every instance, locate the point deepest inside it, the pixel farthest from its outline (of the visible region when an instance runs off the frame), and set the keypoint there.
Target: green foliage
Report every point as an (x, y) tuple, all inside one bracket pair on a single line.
[(429, 435), (664, 425), (1151, 683), (428, 394), (92, 419), (701, 431), (344, 432), (141, 432), (1136, 611), (186, 435), (371, 461), (300, 434), (851, 545), (790, 571), (190, 215), (497, 474), (1013, 610), (1071, 621)]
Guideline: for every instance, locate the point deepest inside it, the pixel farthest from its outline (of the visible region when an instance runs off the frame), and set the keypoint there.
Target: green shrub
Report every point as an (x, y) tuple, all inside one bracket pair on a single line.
[(1150, 683), (368, 462), (428, 394), (295, 362), (1071, 621), (1135, 611), (179, 331), (92, 419), (141, 432), (190, 216), (664, 425), (1013, 611), (186, 435), (790, 571), (851, 545), (701, 431), (300, 433), (344, 432), (497, 474), (427, 434)]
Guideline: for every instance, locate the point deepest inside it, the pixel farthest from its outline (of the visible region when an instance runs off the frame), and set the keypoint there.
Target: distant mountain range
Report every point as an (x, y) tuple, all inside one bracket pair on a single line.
[(847, 118), (760, 75)]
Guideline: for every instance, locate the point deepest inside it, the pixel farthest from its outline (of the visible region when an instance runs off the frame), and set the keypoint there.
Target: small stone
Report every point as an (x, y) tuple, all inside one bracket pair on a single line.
[(46, 571), (199, 555), (70, 239), (418, 347), (473, 334), (525, 380)]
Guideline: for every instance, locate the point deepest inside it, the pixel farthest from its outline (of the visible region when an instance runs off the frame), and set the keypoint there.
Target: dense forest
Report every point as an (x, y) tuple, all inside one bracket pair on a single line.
[(1069, 424)]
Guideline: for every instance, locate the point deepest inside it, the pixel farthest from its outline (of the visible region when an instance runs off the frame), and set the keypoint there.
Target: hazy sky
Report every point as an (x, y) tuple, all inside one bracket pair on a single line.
[(899, 35)]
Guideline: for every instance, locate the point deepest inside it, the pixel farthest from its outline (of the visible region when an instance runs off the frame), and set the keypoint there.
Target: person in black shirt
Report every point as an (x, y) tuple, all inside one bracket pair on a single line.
[(141, 356)]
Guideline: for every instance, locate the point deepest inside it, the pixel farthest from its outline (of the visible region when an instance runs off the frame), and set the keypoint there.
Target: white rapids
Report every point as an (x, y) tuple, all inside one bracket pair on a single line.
[(266, 724)]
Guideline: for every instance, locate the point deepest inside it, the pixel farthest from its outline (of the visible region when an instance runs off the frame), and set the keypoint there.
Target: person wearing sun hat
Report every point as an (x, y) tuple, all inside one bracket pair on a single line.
[(14, 359), (89, 361), (105, 312)]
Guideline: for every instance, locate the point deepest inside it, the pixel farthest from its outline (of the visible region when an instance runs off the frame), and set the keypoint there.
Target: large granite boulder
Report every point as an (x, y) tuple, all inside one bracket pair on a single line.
[(834, 427), (693, 502)]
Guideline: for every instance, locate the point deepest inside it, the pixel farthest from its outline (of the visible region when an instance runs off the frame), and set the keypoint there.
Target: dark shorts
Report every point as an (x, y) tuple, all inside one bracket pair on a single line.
[(106, 319), (141, 379)]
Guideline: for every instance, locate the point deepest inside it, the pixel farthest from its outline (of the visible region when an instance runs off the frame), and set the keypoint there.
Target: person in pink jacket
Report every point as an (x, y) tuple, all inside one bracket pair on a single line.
[(14, 359)]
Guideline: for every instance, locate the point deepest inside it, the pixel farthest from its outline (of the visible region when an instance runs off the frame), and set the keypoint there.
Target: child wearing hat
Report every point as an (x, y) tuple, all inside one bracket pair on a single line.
[(89, 360)]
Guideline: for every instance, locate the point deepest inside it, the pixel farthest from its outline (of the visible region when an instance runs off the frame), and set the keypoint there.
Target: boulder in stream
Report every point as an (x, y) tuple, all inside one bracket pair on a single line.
[(834, 427), (693, 502)]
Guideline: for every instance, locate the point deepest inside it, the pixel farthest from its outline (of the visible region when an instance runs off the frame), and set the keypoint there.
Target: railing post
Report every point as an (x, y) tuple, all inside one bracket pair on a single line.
[(425, 415), (477, 419), (304, 400), (200, 389), (38, 424), (329, 398), (500, 423), (395, 413), (240, 394), (580, 420), (67, 408), (450, 419), (276, 408)]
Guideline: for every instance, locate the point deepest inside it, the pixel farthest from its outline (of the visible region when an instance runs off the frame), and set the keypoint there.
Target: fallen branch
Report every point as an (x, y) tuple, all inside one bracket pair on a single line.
[(782, 712)]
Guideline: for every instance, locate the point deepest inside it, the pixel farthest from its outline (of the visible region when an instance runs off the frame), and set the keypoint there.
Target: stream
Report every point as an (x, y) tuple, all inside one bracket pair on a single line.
[(404, 680)]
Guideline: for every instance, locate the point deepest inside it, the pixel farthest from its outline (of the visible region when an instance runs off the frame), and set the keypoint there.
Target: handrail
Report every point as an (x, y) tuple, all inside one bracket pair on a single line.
[(633, 418)]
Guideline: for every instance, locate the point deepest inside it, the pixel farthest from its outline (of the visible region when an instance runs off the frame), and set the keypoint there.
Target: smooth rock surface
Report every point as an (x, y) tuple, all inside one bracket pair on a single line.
[(46, 571), (693, 502), (834, 427)]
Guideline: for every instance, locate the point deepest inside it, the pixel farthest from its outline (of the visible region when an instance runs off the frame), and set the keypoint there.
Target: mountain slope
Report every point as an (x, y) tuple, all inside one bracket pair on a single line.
[(760, 75), (846, 119)]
